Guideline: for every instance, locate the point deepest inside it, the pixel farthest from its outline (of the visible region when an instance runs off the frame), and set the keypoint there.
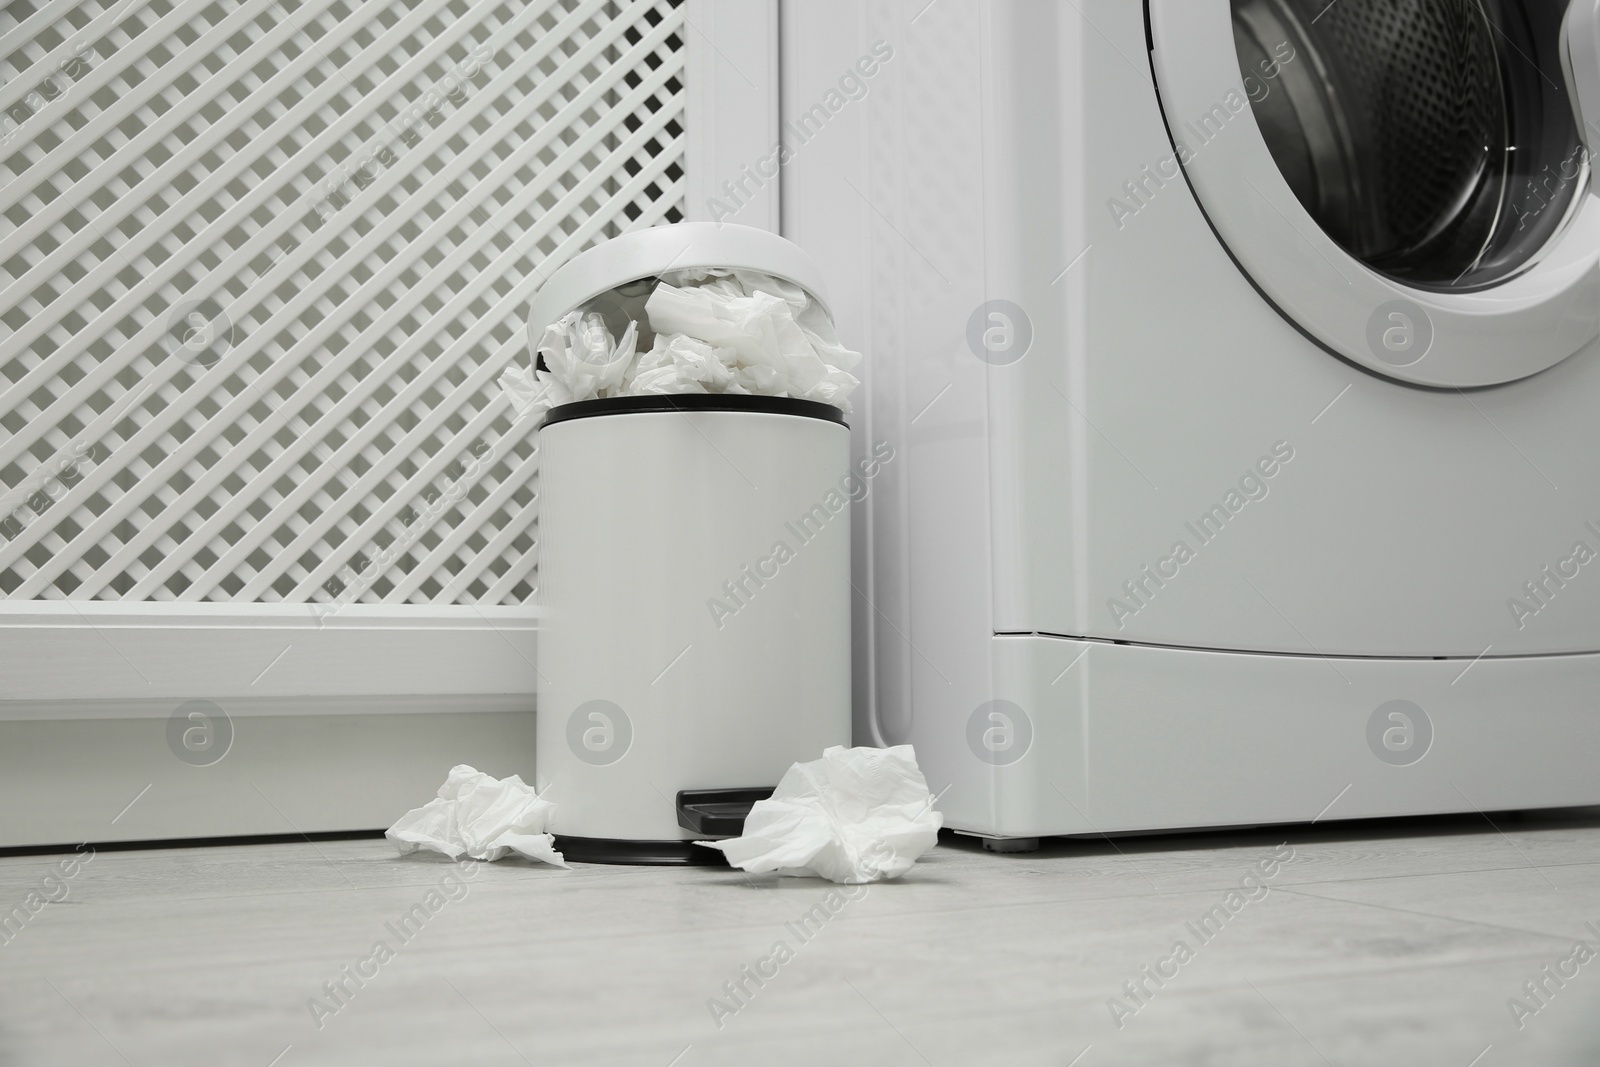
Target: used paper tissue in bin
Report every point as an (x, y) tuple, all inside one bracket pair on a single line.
[(583, 359), (856, 815), (677, 363), (701, 330), (480, 816)]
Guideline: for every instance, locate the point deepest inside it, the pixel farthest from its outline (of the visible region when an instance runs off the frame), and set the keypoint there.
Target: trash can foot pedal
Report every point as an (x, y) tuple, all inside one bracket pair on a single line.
[(637, 853), (718, 812)]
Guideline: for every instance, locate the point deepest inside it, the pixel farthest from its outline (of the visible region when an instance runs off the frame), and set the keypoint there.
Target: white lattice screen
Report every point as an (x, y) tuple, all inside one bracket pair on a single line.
[(263, 263)]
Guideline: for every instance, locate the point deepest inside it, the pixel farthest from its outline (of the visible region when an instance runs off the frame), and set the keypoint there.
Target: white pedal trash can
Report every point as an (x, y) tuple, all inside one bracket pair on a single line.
[(694, 577)]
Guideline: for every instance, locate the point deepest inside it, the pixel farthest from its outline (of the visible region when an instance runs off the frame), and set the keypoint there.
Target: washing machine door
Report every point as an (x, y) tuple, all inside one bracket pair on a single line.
[(1408, 181)]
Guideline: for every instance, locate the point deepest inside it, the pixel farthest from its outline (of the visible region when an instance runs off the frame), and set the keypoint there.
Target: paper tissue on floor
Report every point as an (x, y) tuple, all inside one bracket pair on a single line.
[(698, 330), (856, 815), (481, 817)]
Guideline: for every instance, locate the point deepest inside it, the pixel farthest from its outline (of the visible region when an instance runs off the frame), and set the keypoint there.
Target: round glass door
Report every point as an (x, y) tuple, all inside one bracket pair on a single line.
[(1433, 140)]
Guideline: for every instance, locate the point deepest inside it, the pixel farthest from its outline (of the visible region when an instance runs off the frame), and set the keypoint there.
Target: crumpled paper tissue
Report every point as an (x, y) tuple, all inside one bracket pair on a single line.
[(483, 817), (677, 363), (585, 362), (704, 330), (856, 815)]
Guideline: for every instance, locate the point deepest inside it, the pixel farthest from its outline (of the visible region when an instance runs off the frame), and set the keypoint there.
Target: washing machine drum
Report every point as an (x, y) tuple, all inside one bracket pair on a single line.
[(1432, 140)]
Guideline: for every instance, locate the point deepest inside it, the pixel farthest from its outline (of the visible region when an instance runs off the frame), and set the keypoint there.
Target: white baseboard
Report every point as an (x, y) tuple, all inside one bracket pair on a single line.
[(65, 781), (335, 723)]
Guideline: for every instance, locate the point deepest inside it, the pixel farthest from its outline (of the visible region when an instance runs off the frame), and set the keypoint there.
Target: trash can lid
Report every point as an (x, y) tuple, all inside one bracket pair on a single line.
[(658, 249)]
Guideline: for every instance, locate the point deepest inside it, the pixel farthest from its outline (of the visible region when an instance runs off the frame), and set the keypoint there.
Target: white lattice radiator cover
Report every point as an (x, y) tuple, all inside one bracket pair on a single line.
[(262, 263)]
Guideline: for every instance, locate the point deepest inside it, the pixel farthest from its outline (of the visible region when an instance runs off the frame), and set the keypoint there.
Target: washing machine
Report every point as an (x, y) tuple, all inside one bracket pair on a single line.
[(1240, 361)]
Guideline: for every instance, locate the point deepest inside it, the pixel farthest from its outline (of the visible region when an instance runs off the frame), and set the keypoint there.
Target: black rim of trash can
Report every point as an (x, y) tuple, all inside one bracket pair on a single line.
[(638, 853), (633, 405)]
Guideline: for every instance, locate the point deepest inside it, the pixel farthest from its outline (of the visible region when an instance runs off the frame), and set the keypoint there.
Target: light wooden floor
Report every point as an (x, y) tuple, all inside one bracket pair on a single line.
[(1382, 943)]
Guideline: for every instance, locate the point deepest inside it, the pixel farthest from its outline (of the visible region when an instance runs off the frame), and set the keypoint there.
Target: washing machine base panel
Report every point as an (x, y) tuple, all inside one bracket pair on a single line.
[(1119, 739)]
